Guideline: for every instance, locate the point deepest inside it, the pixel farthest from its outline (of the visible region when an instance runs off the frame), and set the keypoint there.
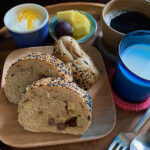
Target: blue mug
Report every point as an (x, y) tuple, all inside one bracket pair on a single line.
[(126, 82), (28, 38)]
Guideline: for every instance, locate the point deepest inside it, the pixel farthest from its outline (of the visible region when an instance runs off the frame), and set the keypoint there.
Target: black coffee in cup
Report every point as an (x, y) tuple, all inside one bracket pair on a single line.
[(127, 21)]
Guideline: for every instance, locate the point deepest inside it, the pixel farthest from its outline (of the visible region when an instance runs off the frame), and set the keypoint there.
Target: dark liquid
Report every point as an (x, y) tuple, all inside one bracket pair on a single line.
[(130, 21)]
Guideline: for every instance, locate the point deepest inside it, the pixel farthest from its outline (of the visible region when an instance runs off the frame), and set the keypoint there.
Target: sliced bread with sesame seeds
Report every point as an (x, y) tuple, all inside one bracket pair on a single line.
[(31, 68), (55, 105), (85, 73)]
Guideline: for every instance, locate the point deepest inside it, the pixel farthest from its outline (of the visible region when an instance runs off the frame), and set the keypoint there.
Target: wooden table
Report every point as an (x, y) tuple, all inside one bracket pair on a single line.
[(125, 120), (7, 4)]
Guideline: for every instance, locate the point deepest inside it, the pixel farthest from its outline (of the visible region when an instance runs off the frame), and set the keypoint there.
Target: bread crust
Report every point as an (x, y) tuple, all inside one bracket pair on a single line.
[(51, 60), (84, 72), (48, 63), (63, 83), (59, 84)]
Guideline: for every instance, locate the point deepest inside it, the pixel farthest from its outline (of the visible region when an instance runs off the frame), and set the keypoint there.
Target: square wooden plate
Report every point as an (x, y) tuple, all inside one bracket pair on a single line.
[(104, 115)]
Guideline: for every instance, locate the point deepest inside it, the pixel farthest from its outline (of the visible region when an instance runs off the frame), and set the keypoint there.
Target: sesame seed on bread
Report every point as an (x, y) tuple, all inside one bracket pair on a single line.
[(57, 105), (31, 68), (85, 73)]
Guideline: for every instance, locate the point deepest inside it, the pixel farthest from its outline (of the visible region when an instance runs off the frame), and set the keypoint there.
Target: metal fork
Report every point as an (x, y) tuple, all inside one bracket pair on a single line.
[(123, 140)]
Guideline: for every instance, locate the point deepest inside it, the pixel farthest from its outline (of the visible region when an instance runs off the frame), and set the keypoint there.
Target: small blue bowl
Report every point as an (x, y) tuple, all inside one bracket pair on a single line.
[(81, 40), (28, 38), (126, 83)]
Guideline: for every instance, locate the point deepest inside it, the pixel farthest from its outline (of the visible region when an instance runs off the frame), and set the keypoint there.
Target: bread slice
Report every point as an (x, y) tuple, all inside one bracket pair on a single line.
[(31, 68), (85, 73), (55, 105)]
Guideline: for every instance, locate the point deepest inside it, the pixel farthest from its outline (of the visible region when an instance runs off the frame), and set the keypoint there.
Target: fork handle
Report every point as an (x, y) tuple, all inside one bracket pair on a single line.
[(142, 121)]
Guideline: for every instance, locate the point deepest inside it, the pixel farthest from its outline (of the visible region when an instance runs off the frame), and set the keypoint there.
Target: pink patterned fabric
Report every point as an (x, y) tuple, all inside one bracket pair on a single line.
[(127, 105)]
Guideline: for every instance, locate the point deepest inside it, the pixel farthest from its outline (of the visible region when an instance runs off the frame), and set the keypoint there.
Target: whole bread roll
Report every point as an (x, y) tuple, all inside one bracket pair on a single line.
[(85, 73), (55, 105), (67, 49), (31, 68)]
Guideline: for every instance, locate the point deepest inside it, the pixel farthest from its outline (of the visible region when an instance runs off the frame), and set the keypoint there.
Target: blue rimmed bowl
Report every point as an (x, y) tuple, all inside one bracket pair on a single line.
[(81, 40), (34, 37)]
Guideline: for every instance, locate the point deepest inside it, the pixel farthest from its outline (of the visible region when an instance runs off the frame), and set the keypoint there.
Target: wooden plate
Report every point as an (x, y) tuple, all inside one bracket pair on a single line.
[(104, 115)]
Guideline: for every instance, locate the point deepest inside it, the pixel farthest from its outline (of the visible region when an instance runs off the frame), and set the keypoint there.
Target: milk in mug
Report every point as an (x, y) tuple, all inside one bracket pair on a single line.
[(137, 59)]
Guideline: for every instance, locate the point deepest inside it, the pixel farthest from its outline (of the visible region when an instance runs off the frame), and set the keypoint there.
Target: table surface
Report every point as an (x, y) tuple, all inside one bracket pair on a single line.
[(7, 4), (125, 120)]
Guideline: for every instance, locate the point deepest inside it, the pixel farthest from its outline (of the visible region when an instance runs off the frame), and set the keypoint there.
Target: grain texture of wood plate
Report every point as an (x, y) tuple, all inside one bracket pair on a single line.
[(104, 115)]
